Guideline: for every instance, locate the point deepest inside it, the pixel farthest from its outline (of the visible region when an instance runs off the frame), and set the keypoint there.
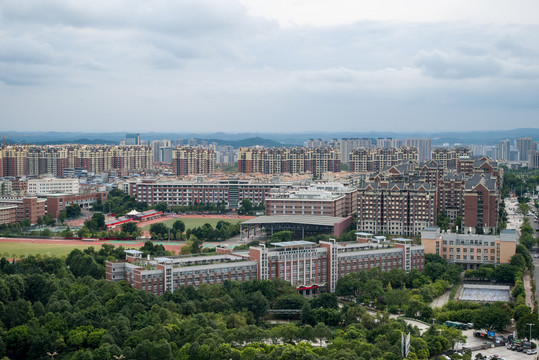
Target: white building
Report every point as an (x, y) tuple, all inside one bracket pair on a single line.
[(51, 185)]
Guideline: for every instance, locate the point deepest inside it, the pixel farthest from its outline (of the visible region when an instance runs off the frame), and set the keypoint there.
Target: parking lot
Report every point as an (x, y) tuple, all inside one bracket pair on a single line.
[(501, 351), (504, 353)]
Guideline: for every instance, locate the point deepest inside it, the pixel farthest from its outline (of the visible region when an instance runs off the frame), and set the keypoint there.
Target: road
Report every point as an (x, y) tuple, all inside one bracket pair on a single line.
[(514, 221)]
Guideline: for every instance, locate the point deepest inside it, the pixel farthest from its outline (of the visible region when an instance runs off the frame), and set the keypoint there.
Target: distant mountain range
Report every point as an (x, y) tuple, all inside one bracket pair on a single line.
[(487, 137)]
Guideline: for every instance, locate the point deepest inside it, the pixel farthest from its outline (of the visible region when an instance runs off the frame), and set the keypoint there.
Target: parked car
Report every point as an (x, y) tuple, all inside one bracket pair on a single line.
[(531, 352)]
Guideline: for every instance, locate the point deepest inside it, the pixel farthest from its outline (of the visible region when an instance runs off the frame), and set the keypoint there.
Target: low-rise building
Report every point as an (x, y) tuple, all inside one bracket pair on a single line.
[(8, 213), (470, 250), (27, 208), (315, 202), (308, 266), (51, 185)]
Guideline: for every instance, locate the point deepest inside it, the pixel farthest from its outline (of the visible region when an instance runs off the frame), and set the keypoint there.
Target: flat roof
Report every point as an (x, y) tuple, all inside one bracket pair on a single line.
[(159, 259), (133, 252), (402, 239), (364, 234), (293, 243), (296, 219)]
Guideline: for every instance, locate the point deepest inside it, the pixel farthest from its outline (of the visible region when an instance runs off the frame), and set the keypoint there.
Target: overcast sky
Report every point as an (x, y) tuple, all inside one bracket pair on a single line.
[(268, 65)]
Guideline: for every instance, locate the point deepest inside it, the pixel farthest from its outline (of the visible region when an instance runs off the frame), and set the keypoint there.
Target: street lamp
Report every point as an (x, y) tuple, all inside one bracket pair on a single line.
[(530, 325), (118, 357), (52, 355)]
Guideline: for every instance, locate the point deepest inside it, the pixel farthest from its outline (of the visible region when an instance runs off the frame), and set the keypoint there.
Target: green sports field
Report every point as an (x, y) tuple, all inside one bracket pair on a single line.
[(191, 223), (17, 250)]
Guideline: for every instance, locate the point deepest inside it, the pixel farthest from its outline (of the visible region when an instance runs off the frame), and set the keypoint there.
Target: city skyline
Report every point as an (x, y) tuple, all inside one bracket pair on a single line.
[(246, 66)]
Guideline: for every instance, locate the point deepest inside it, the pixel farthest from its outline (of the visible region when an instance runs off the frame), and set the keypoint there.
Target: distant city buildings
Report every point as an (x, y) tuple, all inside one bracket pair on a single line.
[(447, 157), (372, 160), (423, 147), (188, 160), (524, 145), (295, 160), (157, 146), (533, 159), (34, 160), (132, 139)]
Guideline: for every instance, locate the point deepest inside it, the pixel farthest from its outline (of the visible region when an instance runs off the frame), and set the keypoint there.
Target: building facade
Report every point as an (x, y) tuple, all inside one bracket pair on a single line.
[(372, 160), (228, 192), (524, 145), (192, 160), (447, 157), (329, 199), (396, 208), (51, 185), (34, 160), (470, 251), (423, 146), (308, 266), (533, 159), (27, 208), (297, 160)]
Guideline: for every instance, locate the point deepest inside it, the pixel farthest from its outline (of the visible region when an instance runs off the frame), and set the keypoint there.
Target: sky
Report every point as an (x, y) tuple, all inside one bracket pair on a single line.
[(268, 65)]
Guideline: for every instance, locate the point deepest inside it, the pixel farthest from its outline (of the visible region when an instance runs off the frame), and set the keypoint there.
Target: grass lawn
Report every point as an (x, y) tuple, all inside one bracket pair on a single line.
[(17, 249), (191, 223)]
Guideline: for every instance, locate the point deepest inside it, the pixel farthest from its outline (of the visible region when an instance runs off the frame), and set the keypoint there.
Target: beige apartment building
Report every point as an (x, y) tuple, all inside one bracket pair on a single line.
[(469, 250)]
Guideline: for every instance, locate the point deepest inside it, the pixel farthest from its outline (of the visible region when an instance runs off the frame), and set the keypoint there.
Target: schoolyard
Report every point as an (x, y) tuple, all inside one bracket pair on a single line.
[(21, 247)]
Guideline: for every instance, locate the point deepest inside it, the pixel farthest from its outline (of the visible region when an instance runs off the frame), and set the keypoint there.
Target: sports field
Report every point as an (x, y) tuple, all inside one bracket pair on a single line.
[(22, 249), (191, 223)]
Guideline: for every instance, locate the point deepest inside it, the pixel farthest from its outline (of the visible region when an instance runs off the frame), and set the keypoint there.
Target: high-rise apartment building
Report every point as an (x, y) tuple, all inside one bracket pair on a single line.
[(396, 208), (132, 139), (533, 159), (422, 145), (524, 145), (295, 160), (504, 148), (370, 160), (20, 160), (192, 160), (447, 157), (156, 146), (348, 145)]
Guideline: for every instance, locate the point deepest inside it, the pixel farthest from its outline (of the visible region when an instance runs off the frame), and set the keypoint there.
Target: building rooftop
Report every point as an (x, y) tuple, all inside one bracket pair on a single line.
[(293, 243), (295, 219), (133, 252)]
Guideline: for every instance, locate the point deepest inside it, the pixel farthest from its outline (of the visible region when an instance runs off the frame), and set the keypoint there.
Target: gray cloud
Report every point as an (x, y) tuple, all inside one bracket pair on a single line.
[(209, 65)]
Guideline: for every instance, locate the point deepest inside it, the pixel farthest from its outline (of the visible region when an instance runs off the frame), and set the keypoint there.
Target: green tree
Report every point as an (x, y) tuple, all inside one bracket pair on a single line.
[(73, 210), (62, 216), (246, 207), (160, 230), (307, 316), (163, 207), (178, 226), (131, 228), (321, 332)]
